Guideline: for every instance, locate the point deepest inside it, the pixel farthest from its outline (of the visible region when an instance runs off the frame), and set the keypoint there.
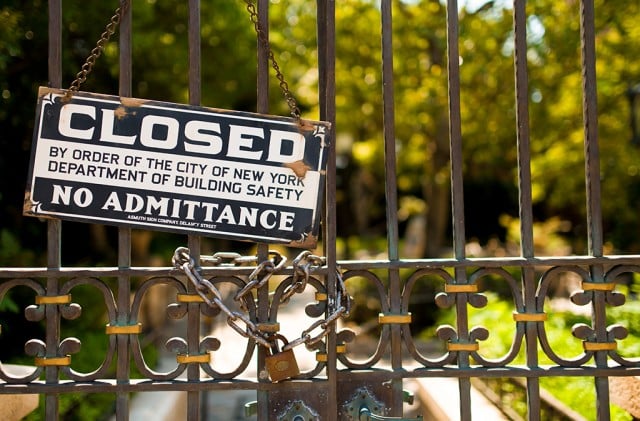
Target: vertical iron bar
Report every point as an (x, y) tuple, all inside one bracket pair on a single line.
[(55, 43), (54, 226), (193, 335), (122, 318), (326, 27), (124, 234), (391, 194), (125, 49), (525, 207), (592, 174), (194, 242), (389, 130), (195, 45), (52, 315), (455, 131), (457, 196), (262, 106), (590, 116)]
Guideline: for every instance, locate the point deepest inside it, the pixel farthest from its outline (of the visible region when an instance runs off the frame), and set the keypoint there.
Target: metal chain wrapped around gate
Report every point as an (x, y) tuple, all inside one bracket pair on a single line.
[(294, 110), (303, 265), (109, 30)]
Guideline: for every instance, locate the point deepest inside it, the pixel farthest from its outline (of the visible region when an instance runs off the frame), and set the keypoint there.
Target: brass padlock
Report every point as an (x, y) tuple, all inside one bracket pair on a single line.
[(281, 365)]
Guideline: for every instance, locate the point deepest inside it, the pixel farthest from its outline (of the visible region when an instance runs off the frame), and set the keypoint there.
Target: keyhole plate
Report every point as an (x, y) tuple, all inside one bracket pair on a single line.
[(362, 398)]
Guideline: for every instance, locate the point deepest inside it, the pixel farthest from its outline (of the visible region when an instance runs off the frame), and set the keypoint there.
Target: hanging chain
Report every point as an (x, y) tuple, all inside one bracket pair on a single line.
[(303, 265), (294, 110), (110, 29)]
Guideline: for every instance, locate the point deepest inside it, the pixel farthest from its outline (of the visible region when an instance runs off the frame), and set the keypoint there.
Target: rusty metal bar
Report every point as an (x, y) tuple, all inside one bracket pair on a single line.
[(455, 130), (195, 53), (55, 43), (193, 334), (125, 46), (525, 204), (326, 24), (592, 174), (262, 106), (629, 259), (109, 385), (522, 125), (52, 315), (391, 194), (389, 130), (54, 227), (194, 398), (124, 234), (123, 341), (590, 115), (457, 195)]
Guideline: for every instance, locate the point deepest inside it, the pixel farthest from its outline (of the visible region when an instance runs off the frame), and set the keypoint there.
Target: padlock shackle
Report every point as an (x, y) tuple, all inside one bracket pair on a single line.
[(273, 342)]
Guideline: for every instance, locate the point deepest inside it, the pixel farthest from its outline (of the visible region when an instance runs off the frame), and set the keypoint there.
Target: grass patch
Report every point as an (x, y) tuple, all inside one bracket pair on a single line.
[(577, 393)]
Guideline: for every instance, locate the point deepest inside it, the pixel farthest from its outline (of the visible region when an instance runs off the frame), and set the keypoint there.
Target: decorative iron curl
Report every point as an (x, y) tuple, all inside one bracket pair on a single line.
[(541, 296), (619, 330), (383, 340), (516, 295), (249, 304), (135, 346), (446, 358), (73, 311), (39, 290)]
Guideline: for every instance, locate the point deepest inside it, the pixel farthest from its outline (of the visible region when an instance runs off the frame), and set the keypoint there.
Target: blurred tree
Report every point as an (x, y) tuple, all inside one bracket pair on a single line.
[(556, 114), (160, 68)]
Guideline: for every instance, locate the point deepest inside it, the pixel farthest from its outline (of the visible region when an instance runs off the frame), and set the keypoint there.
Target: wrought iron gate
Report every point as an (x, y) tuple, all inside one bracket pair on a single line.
[(336, 384)]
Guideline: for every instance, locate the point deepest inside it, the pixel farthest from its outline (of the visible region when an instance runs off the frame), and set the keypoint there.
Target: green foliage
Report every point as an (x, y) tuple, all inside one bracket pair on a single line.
[(569, 390), (487, 108), (79, 407), (9, 35)]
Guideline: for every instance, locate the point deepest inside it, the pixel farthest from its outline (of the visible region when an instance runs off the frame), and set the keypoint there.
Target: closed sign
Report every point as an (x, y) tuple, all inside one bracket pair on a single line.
[(179, 168)]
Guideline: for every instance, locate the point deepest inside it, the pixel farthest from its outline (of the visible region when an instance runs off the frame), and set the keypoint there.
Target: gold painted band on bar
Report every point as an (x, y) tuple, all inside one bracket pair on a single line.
[(54, 299), (451, 346), (595, 286), (530, 317), (124, 330), (451, 288), (600, 346), (192, 359), (52, 361), (321, 296), (322, 357), (189, 298), (269, 327), (387, 318)]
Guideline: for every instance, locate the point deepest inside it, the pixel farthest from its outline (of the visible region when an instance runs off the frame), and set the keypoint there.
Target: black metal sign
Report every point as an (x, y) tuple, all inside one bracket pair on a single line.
[(179, 168)]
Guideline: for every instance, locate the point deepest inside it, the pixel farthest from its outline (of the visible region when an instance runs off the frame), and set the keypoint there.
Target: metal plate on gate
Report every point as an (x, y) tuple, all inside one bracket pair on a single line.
[(179, 168)]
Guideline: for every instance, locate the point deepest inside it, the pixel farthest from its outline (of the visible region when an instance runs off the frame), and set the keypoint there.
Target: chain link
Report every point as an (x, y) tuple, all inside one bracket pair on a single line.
[(294, 110), (110, 29), (267, 269), (343, 309), (303, 266)]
